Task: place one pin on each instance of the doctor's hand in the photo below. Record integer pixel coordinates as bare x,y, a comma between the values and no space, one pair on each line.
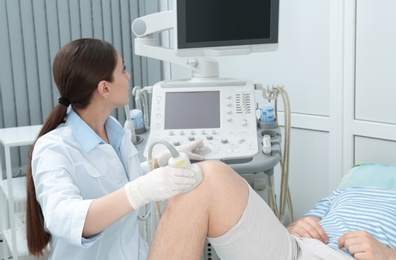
161,184
190,149
308,227
362,245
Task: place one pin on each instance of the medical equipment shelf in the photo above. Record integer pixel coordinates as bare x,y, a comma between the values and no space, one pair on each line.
18,187
14,189
20,234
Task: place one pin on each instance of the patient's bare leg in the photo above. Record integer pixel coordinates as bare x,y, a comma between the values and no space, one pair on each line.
211,209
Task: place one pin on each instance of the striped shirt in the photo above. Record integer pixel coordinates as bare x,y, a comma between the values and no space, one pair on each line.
358,208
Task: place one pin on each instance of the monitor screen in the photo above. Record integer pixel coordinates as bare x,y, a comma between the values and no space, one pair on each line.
226,25
192,110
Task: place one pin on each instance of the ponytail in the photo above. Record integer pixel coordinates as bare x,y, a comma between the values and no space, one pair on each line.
37,237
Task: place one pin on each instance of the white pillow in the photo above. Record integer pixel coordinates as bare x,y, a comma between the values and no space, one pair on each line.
381,176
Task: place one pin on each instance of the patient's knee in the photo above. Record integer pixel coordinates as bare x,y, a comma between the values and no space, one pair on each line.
221,189
219,179
217,172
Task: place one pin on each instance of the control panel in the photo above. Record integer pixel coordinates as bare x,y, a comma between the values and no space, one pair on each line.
221,112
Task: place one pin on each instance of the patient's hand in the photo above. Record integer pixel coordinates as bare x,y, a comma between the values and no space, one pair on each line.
308,227
364,246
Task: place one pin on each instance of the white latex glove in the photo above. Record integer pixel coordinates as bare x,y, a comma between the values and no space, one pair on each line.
161,184
189,149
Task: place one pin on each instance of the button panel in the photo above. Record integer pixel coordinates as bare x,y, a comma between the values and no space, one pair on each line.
236,138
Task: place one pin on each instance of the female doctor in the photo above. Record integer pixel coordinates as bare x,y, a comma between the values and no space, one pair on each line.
84,179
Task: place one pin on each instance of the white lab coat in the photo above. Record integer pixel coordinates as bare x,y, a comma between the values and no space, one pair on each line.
68,175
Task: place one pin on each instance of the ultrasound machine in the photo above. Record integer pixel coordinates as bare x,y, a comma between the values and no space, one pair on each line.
223,112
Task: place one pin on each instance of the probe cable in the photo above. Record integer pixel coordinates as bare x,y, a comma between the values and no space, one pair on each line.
174,154
285,197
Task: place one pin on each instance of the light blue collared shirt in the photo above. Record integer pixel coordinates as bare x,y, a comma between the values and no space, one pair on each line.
72,166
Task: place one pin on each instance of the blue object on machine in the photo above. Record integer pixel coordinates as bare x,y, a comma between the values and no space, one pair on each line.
267,113
137,118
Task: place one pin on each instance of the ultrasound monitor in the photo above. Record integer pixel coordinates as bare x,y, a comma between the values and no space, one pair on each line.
204,28
226,27
192,110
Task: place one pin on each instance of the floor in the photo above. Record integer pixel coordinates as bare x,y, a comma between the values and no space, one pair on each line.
1,249
10,257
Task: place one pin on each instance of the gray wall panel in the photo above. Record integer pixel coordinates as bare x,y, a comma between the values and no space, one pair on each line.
86,18
9,117
43,103
75,18
32,32
31,65
97,19
53,35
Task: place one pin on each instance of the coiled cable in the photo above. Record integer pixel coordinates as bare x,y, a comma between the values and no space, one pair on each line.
174,154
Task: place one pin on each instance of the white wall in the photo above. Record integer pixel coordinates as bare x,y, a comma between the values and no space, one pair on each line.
301,64
336,120
374,123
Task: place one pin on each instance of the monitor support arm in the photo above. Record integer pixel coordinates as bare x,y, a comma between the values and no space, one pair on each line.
145,45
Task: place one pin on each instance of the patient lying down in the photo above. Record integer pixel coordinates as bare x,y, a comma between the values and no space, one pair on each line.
360,221
354,222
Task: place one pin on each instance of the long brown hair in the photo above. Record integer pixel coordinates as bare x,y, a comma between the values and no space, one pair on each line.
78,68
